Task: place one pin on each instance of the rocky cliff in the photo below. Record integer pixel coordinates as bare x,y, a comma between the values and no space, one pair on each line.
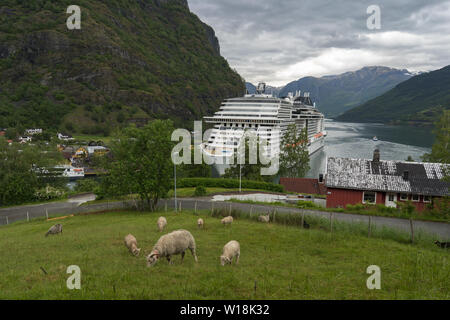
131,59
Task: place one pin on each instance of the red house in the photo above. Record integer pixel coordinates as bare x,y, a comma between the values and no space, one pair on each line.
352,181
304,185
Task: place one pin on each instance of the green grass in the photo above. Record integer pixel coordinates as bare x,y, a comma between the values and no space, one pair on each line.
285,261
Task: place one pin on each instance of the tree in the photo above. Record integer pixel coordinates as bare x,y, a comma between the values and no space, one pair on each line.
194,170
294,156
19,171
141,163
440,152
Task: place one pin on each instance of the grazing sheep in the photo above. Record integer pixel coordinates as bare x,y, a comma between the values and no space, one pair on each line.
230,250
176,242
57,228
442,244
265,218
227,220
131,244
200,223
162,222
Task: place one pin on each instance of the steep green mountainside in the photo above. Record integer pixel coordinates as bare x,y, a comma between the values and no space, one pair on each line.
132,59
339,93
418,100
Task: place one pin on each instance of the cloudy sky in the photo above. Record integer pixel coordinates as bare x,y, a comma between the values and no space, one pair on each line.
279,41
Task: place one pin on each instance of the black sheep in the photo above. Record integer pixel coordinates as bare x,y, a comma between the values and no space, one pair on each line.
442,244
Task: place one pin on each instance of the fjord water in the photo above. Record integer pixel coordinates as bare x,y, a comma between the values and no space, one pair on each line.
355,140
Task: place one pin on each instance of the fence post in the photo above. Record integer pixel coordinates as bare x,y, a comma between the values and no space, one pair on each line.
370,226
195,209
229,213
212,208
28,216
7,222
165,206
331,222
412,230
180,206
303,219
251,210
46,213
274,214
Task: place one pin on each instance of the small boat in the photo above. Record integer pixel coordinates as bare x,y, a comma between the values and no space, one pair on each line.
375,138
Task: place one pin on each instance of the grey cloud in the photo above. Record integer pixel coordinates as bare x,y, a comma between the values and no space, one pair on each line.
260,38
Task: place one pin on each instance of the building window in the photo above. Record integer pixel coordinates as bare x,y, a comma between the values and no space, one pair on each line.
426,199
391,198
369,197
404,197
415,197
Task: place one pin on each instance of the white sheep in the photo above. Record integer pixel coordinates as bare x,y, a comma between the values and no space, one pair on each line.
131,244
227,220
57,228
265,218
200,223
176,242
230,250
162,222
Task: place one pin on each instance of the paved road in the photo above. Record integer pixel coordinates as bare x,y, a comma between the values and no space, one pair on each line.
439,229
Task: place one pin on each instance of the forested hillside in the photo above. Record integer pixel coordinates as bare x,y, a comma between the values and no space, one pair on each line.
132,59
419,100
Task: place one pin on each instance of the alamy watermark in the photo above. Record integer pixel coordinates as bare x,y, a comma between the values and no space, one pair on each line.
74,20
74,281
260,150
374,20
374,281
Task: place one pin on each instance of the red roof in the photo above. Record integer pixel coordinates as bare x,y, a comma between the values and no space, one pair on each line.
303,185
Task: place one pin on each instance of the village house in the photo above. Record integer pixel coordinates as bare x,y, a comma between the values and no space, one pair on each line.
65,137
25,139
353,181
304,185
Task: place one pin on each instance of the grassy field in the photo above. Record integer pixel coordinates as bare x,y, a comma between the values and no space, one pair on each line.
284,261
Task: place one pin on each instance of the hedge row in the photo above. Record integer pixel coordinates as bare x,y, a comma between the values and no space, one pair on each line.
228,183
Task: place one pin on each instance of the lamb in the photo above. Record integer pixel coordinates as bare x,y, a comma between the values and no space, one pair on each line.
57,228
442,244
230,250
200,223
131,244
162,222
265,218
176,242
227,220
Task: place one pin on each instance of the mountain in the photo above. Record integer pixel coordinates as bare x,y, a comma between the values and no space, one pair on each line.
338,93
418,100
132,59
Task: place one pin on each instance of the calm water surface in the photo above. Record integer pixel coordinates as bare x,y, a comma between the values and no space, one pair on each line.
354,140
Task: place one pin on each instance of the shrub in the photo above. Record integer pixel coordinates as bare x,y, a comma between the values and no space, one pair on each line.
200,191
87,185
228,183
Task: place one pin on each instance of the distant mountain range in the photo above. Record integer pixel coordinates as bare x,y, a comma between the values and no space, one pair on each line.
419,100
338,93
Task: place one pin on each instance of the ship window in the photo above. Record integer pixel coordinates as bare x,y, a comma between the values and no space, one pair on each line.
369,197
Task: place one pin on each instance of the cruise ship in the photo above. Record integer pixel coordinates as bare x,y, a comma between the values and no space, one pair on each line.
268,116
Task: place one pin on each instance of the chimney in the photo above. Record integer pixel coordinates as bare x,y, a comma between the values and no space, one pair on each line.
321,178
405,175
376,155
